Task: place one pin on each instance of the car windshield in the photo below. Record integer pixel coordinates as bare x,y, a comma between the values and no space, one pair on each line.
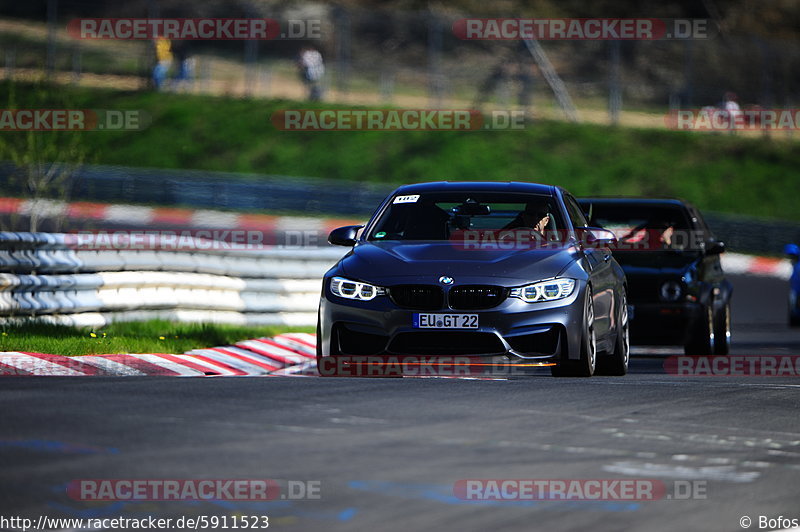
448,215
664,225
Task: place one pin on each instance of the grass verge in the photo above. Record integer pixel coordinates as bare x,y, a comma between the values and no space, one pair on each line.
724,173
139,337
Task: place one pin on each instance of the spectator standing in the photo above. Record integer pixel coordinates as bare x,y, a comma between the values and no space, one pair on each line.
163,61
732,110
312,69
185,73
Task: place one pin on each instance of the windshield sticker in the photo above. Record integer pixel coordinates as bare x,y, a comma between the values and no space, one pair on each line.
406,199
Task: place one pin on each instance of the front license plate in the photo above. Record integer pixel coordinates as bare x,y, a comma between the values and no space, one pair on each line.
445,321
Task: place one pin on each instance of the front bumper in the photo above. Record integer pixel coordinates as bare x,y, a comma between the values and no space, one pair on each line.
664,323
513,330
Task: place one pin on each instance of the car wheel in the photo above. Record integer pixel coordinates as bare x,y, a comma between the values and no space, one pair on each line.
701,338
794,311
616,363
586,364
722,331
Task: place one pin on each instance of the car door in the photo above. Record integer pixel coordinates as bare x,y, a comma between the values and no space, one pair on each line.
601,274
710,268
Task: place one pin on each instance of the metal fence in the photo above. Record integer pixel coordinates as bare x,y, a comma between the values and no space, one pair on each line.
385,55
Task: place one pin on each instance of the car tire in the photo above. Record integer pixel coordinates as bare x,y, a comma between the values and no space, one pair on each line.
793,314
701,337
616,363
585,366
722,331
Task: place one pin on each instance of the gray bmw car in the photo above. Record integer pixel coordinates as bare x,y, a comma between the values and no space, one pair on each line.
495,271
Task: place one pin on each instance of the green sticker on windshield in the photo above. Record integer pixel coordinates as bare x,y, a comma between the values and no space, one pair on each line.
380,234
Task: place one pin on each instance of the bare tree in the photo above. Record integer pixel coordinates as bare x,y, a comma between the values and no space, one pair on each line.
41,165
41,171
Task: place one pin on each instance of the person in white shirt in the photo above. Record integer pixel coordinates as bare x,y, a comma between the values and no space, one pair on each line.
312,68
732,111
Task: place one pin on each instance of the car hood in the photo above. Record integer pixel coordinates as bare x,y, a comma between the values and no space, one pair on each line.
386,262
656,262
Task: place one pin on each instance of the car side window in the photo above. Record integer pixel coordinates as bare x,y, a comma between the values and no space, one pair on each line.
699,223
575,212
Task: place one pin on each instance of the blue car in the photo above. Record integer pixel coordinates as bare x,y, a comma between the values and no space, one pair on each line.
794,285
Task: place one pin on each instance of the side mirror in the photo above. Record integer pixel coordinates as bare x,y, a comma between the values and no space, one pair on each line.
792,250
597,237
344,236
715,247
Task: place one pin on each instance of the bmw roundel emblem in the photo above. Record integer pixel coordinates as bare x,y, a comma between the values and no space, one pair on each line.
445,279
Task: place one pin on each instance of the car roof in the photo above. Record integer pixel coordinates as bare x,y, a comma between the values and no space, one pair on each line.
632,200
477,186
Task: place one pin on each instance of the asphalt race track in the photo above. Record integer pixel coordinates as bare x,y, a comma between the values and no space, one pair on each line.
387,452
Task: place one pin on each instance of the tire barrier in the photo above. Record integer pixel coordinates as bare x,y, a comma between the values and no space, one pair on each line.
49,277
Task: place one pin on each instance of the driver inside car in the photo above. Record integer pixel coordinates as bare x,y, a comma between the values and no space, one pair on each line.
533,217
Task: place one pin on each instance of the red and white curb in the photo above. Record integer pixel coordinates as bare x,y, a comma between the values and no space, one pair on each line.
285,354
155,216
736,263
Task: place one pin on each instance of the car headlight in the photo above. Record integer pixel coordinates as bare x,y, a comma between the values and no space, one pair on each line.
671,291
545,290
355,290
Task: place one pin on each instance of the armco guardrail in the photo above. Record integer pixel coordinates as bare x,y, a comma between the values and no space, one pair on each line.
758,236
201,189
218,190
57,277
